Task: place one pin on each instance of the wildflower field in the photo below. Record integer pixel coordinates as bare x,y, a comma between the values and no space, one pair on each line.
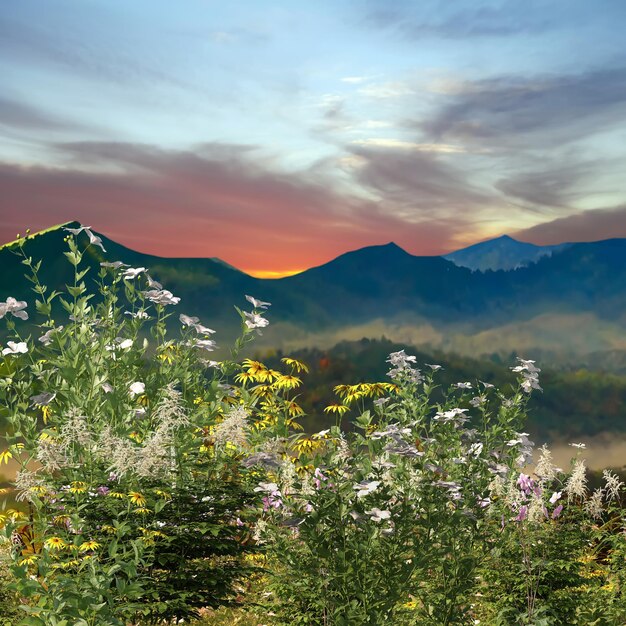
156,485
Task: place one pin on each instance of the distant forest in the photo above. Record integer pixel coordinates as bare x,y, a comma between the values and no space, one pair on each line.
573,404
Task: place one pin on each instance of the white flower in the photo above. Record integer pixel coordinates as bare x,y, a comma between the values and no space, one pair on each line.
258,304
255,321
153,284
365,487
15,348
136,388
463,385
377,515
107,387
14,307
46,338
555,496
43,399
132,272
114,265
141,314
434,368
93,239
266,487
125,344
162,297
194,322
580,446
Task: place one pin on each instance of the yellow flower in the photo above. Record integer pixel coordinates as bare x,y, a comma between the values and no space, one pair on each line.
340,409
55,543
87,546
287,381
298,366
137,498
253,367
78,486
163,494
294,409
244,377
306,445
28,560
116,494
46,411
135,436
141,511
5,456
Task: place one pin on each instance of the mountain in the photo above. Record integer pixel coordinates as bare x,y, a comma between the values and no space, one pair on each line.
566,308
502,253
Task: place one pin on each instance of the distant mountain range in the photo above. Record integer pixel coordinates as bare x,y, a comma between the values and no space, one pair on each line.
502,253
559,304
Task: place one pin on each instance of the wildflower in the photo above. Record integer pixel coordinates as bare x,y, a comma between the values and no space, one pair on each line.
103,490
43,399
266,487
87,546
153,284
204,344
162,297
555,496
593,505
14,307
613,485
557,511
15,348
137,498
366,487
465,385
545,470
529,373
580,446
233,428
376,515
93,239
55,543
576,484
107,387
523,512
194,322
478,401
5,456
114,265
137,388
258,304
46,338
434,368
263,459
132,272
337,408
141,314
255,321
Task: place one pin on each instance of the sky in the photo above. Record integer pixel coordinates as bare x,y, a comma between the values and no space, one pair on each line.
277,135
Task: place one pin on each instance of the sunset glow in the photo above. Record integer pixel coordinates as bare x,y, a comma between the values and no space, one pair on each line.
278,135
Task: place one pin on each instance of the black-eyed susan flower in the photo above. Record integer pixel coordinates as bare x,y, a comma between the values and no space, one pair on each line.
298,366
339,409
55,543
88,546
137,498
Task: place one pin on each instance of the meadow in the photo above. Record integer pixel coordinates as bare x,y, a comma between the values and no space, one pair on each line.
156,485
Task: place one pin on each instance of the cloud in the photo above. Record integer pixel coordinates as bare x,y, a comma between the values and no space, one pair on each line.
379,142
218,200
592,225
421,183
414,21
554,185
540,111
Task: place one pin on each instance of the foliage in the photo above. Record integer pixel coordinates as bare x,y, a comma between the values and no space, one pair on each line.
157,484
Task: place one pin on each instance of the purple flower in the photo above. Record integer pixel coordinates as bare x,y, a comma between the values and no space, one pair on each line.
523,512
557,511
102,490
